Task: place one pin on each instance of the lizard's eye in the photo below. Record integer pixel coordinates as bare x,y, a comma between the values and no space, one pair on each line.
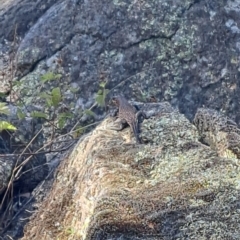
114,100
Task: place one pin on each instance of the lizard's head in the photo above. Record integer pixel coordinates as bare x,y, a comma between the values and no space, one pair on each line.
116,100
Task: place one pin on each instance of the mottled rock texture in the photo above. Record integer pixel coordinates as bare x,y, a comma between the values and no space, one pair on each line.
186,52
182,51
171,187
219,132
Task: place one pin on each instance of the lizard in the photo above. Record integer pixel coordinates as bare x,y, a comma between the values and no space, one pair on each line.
128,114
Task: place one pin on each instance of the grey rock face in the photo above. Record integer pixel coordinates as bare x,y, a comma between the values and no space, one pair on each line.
185,52
20,16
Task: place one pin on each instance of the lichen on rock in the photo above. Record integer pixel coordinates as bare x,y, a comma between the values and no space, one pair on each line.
172,186
218,131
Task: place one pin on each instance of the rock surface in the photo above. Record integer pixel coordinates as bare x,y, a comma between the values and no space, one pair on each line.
218,131
171,187
185,52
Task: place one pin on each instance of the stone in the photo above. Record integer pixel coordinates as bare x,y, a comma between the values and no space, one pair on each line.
173,186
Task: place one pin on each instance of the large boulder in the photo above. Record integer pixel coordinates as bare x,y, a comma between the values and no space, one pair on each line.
170,187
185,52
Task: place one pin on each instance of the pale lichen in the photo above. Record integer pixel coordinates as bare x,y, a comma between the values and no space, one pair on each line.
112,184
